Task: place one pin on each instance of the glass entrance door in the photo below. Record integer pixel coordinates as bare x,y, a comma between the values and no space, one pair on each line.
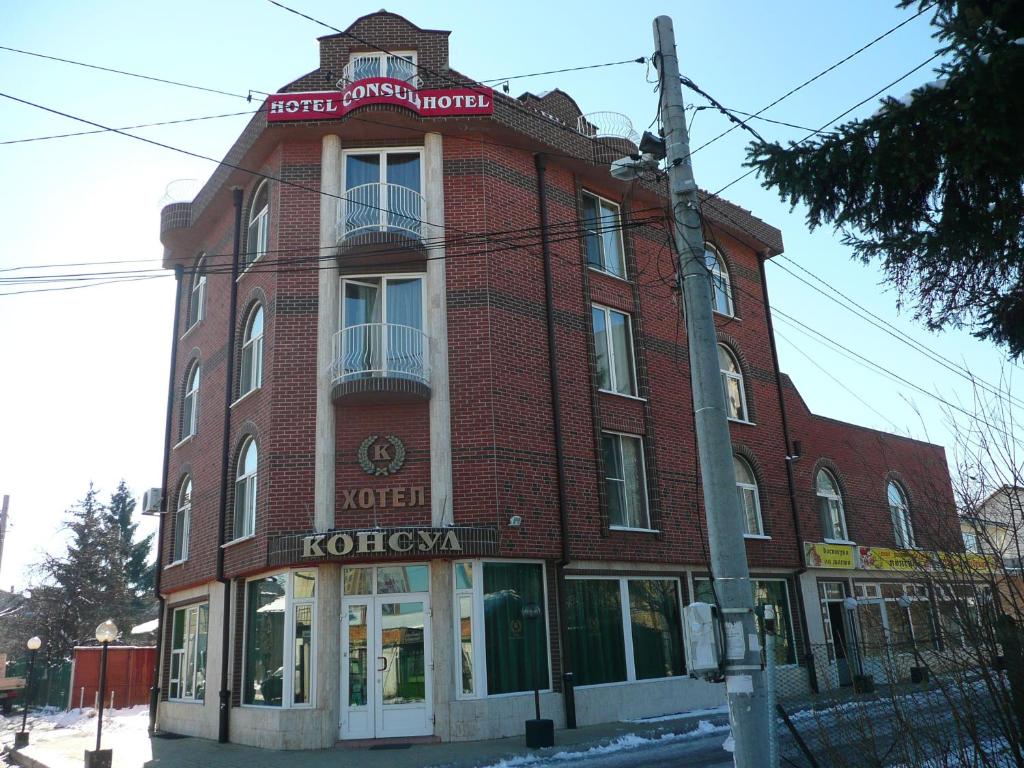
386,685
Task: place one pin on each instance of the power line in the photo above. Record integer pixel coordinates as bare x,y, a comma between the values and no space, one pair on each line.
127,127
638,60
764,119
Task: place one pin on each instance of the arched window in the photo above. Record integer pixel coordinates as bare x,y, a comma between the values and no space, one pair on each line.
830,505
182,520
900,511
259,226
245,490
721,285
252,352
197,297
732,382
190,403
750,501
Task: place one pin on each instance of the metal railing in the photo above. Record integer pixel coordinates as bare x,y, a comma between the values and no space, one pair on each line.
396,67
380,207
380,350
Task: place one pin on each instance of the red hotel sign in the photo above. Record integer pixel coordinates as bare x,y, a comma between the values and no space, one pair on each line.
331,105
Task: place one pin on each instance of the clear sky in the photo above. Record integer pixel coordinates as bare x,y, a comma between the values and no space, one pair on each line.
84,372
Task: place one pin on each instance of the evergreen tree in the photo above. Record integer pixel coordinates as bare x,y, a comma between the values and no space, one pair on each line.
133,555
932,185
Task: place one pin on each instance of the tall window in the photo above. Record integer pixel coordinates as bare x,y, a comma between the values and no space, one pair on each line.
383,192
197,296
603,238
830,506
400,65
624,481
252,352
246,485
750,501
732,381
503,646
772,592
721,285
613,345
381,328
900,511
182,521
190,403
256,242
188,653
623,629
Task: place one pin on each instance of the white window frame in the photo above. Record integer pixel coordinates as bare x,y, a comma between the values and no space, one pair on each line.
788,618
197,294
599,228
288,644
382,153
477,632
970,541
251,486
745,487
737,375
190,402
185,610
900,513
831,535
384,278
252,346
261,220
719,271
610,350
627,625
382,59
643,478
182,521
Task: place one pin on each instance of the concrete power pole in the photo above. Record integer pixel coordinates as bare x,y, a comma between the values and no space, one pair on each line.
3,526
744,677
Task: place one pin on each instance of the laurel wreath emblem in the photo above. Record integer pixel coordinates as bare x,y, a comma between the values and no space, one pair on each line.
372,469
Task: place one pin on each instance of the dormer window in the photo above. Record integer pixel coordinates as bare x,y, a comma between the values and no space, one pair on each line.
400,65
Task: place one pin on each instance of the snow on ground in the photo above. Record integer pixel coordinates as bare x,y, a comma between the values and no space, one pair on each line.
624,742
722,710
51,723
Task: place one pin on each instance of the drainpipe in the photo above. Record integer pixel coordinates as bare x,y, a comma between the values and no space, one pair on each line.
225,449
790,478
568,694
154,689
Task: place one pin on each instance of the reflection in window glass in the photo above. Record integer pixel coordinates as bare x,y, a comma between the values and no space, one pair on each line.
358,581
466,641
593,610
302,684
657,638
264,640
357,655
516,647
394,579
402,653
463,575
305,584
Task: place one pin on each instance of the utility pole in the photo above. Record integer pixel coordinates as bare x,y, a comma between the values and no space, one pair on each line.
744,677
3,526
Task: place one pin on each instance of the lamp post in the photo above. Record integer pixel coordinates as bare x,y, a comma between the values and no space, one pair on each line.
539,733
106,633
21,739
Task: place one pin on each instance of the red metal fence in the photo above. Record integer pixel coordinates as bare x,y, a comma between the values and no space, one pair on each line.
129,675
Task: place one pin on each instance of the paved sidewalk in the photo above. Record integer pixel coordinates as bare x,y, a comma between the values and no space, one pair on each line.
135,750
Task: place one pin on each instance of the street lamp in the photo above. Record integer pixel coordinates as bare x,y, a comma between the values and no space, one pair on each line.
21,739
106,633
539,733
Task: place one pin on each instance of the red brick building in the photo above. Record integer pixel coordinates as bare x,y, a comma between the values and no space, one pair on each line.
379,459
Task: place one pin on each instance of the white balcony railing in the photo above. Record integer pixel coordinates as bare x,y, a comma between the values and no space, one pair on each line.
380,350
380,207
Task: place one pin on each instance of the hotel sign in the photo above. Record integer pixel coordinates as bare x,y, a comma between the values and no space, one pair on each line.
333,105
383,543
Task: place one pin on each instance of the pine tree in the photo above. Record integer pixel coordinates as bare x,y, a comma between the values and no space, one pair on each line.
133,556
932,185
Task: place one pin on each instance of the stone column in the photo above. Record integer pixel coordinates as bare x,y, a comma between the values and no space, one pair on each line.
328,652
441,506
327,325
443,645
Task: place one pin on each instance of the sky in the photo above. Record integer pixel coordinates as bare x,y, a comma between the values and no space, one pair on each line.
84,380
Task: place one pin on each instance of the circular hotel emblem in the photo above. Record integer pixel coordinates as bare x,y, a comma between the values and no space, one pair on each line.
381,456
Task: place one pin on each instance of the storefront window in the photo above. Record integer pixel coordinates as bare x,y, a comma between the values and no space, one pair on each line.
516,647
188,653
654,615
594,625
358,581
279,636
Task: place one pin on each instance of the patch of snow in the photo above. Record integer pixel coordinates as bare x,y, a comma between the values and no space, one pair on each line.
724,709
729,744
1018,41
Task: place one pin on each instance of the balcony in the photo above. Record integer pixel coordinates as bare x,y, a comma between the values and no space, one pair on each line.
380,362
378,213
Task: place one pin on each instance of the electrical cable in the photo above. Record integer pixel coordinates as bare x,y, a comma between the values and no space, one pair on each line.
638,60
127,127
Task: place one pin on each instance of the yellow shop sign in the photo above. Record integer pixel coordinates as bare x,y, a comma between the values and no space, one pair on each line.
821,555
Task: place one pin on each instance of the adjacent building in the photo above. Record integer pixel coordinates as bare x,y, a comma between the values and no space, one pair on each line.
432,436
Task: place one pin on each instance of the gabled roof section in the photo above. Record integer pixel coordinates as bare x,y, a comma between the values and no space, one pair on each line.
377,16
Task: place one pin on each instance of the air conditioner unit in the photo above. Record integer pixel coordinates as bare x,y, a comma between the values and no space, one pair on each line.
151,500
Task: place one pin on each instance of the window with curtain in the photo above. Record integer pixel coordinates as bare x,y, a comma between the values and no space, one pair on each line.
258,233
189,631
613,348
383,327
656,628
602,235
400,65
721,285
830,505
246,485
732,382
516,647
251,375
182,520
593,621
197,296
190,403
772,592
900,512
625,481
750,500
383,192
